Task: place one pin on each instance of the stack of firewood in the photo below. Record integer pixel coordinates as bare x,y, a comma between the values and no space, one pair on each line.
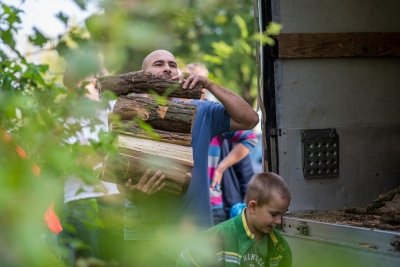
153,132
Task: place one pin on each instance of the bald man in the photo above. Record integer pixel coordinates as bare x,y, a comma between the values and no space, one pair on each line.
146,218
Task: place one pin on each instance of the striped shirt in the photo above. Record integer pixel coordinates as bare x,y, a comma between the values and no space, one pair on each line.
246,138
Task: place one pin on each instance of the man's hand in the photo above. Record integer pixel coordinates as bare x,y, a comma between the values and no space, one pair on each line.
148,184
190,80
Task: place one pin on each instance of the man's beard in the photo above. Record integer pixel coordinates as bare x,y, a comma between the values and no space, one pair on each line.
166,75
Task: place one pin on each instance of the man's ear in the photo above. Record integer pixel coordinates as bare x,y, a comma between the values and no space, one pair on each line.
251,206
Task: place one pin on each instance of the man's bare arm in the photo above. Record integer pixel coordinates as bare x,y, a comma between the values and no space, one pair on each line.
243,117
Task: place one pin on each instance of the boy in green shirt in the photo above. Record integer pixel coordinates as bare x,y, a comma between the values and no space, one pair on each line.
250,239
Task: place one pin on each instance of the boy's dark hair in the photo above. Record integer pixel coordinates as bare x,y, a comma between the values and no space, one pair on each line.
263,186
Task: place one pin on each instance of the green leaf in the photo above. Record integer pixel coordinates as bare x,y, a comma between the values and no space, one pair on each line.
244,33
212,59
273,28
222,49
62,48
161,100
12,15
221,19
7,38
38,38
63,17
147,128
81,3
242,47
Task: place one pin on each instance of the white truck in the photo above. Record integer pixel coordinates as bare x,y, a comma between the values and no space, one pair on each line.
330,99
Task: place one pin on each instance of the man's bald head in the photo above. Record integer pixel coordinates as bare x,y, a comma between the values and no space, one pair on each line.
155,55
160,62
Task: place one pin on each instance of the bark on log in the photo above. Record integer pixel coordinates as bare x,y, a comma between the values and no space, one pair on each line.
172,117
131,129
144,82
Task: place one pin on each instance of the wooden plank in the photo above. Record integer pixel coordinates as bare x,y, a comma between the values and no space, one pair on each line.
329,45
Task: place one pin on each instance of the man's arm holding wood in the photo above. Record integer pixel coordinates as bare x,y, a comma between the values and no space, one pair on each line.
243,117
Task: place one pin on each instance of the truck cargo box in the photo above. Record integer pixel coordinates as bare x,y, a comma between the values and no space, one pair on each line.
330,99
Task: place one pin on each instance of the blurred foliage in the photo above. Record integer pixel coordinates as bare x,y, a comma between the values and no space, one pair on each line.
36,110
35,157
219,34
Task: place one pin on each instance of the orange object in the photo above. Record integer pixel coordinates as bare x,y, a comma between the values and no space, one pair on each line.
21,152
6,137
36,170
52,220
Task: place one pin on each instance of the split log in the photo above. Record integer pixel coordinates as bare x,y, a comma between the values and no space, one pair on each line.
136,156
123,167
142,82
172,117
136,146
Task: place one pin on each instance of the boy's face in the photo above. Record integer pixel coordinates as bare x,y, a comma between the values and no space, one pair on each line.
262,218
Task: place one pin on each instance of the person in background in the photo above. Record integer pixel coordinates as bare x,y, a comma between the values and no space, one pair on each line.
249,239
229,170
200,69
229,164
257,155
91,221
149,214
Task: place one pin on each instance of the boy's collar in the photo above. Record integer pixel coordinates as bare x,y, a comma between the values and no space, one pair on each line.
246,234
246,226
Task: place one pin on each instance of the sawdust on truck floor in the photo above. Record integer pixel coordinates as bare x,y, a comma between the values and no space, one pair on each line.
341,217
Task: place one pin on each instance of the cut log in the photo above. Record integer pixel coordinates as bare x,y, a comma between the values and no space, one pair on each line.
143,82
137,155
123,167
130,129
135,147
172,117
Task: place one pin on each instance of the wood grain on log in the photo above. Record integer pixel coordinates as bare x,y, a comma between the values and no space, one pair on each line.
172,117
123,167
137,146
136,155
143,82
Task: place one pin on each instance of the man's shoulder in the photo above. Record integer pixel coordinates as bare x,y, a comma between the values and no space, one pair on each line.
208,107
205,103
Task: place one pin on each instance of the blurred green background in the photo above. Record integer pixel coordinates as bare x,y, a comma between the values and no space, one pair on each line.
35,106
